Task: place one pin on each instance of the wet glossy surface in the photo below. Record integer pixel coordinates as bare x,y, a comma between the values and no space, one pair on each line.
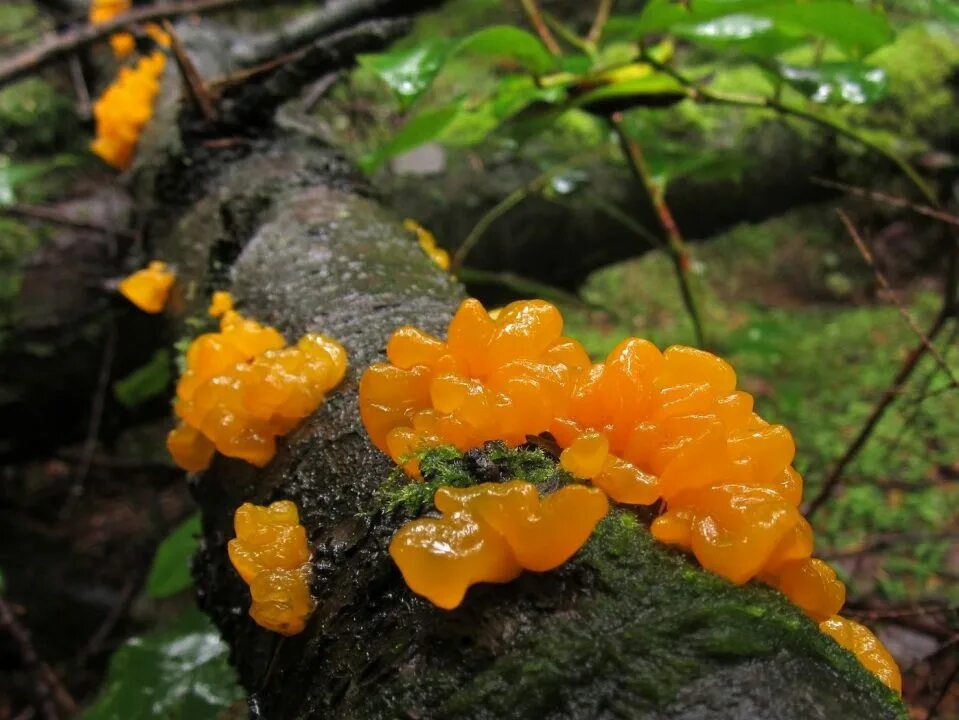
243,387
271,554
148,289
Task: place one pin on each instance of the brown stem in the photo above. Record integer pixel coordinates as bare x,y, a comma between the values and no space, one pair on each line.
887,289
905,372
892,200
535,18
677,246
196,88
603,11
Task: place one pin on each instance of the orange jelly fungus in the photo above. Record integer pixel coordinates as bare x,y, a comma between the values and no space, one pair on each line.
149,288
867,648
490,533
123,43
124,108
243,386
428,243
642,426
270,552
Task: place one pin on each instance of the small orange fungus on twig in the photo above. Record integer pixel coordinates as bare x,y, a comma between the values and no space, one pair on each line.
149,288
428,243
270,552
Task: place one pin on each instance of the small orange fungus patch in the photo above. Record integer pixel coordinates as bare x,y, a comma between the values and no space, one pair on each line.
643,426
243,386
428,243
124,108
123,43
149,288
270,552
867,648
490,533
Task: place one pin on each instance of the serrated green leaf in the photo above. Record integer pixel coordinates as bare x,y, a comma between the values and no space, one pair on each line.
146,382
510,42
838,83
427,125
176,672
170,572
409,72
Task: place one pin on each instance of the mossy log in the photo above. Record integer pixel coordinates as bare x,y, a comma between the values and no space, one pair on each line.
627,629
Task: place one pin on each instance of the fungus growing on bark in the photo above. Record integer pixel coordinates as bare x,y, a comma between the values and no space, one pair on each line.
428,243
124,108
490,533
123,43
867,648
643,426
243,386
149,288
270,552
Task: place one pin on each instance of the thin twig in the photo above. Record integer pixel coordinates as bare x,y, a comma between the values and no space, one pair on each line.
902,376
47,686
57,46
55,217
887,289
83,104
96,417
496,212
674,239
523,285
196,87
896,613
899,202
535,18
603,11
933,711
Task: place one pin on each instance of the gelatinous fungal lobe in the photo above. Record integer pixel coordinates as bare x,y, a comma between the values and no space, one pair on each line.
867,648
271,553
123,43
149,288
125,107
243,387
490,533
643,425
428,244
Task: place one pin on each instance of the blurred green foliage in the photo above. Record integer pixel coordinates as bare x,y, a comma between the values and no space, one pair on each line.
170,572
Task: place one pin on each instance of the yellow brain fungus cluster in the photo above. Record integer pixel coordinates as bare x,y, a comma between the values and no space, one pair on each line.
243,386
428,244
149,288
490,533
270,552
125,107
645,425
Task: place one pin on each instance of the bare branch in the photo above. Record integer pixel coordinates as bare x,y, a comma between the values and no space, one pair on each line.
889,200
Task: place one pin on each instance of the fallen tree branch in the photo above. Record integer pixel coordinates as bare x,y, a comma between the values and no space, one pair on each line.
892,200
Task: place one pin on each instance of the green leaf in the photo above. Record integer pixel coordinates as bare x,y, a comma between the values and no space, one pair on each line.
654,90
856,29
743,33
838,83
410,72
170,572
145,382
510,42
176,672
426,126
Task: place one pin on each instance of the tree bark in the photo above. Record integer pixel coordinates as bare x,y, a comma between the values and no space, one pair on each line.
626,629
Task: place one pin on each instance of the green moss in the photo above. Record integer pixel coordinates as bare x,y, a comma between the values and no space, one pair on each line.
36,117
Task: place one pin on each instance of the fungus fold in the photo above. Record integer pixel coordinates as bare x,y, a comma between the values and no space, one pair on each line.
642,426
149,288
271,554
243,386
